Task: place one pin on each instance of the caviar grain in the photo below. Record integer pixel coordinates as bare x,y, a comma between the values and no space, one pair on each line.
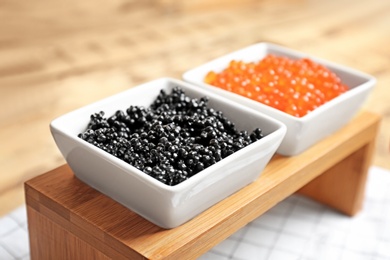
172,140
296,87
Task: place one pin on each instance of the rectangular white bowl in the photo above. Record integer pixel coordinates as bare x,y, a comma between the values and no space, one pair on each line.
166,206
301,132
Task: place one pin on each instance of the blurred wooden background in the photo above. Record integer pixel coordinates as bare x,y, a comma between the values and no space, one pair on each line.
56,56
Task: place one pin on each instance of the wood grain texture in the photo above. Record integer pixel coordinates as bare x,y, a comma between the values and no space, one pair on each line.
57,56
343,185
118,232
57,240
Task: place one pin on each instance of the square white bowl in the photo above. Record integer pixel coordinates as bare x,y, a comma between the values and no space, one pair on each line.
166,206
301,132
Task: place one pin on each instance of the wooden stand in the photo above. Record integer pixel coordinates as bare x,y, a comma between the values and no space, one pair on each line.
70,220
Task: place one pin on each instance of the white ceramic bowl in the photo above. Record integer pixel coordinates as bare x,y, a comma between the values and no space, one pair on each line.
164,205
305,131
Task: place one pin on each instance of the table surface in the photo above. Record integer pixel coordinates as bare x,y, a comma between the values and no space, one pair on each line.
56,57
60,196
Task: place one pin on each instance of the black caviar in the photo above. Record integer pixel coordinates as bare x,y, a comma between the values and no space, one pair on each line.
172,140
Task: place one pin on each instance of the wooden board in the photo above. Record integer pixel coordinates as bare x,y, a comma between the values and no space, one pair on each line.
65,212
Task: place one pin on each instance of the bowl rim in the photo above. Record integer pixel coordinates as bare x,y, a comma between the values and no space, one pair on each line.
271,47
55,126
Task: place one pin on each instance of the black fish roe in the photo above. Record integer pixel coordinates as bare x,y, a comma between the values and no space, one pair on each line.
172,140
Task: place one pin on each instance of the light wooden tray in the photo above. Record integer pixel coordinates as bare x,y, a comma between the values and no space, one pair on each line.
70,220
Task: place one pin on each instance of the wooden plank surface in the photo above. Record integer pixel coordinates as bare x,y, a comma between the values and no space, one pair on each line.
58,56
116,231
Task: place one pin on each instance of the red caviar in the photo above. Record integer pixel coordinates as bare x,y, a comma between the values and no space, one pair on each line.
292,86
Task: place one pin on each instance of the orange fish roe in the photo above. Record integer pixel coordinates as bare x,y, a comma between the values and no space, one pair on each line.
293,86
